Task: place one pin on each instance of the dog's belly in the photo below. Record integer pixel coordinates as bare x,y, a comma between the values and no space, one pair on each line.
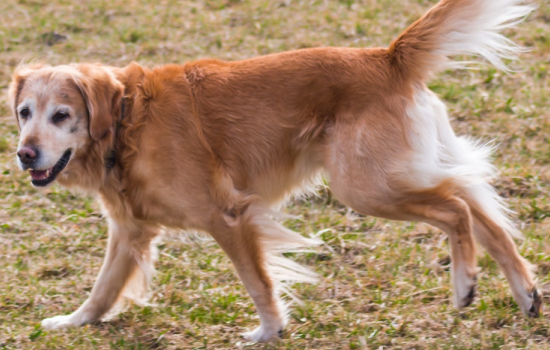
303,175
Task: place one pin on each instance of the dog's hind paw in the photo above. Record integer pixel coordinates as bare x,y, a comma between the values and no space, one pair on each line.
262,335
59,322
464,289
536,308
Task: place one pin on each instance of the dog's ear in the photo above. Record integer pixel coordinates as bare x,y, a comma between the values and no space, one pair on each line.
103,95
18,79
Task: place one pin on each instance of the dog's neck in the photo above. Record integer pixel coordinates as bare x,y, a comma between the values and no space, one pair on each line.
110,158
130,77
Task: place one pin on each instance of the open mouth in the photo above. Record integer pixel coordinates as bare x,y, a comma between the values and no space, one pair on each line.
43,177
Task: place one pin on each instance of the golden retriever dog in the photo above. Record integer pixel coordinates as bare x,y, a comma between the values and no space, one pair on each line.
214,146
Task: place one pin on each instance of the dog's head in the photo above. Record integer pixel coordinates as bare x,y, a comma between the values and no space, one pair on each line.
61,112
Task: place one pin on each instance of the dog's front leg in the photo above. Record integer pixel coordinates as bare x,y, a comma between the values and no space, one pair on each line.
240,238
128,259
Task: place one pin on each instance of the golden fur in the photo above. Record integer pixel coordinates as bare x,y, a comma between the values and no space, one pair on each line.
212,146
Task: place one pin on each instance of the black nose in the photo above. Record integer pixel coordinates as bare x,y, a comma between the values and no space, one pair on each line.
27,155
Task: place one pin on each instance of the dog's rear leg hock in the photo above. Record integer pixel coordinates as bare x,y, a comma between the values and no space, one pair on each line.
453,216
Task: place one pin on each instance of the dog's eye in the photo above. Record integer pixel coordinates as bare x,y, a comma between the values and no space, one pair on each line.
24,113
59,117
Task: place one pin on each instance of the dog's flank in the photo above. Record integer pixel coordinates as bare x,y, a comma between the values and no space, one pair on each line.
214,146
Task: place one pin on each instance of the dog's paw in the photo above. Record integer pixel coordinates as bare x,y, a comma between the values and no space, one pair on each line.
536,307
464,296
262,334
59,322
530,302
464,289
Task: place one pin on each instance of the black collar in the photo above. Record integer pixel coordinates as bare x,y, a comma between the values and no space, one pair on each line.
110,160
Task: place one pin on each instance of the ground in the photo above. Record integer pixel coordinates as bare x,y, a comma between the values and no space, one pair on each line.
383,284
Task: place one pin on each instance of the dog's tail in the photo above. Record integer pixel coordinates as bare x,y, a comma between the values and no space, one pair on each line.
458,27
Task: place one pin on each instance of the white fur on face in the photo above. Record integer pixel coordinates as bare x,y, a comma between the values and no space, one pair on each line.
44,96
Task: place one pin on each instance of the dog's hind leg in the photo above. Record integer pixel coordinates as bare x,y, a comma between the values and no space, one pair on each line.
361,159
468,164
440,208
452,215
255,244
386,166
493,230
126,271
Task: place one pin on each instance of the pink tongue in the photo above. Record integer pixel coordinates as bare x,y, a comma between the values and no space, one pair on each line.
39,174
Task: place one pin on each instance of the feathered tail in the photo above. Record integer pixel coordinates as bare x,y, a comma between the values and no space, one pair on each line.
458,27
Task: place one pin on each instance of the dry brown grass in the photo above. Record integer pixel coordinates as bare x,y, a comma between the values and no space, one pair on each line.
384,284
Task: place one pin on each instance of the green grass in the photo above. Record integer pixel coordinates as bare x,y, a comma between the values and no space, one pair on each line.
384,284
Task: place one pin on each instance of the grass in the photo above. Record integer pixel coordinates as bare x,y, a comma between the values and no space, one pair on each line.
384,284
